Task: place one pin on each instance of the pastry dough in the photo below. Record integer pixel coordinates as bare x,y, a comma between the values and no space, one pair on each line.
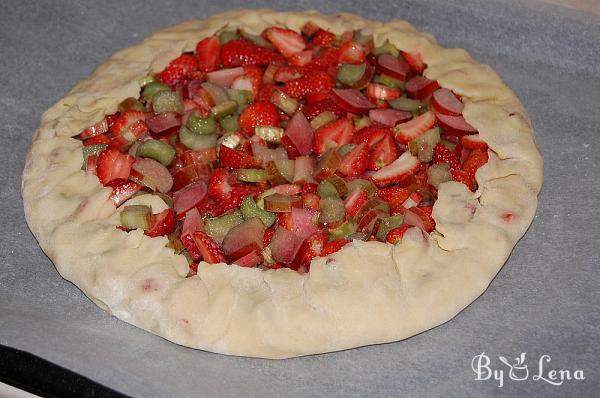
367,293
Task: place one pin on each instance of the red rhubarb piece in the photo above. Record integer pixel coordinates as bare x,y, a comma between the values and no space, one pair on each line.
420,87
391,66
352,100
444,101
455,125
389,117
300,133
189,197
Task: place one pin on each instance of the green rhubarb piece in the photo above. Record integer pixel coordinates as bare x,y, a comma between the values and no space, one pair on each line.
270,134
406,104
365,185
387,224
242,97
201,125
250,209
331,210
224,109
167,101
339,184
251,175
345,149
230,124
157,150
326,189
285,167
136,216
386,48
227,36
347,228
361,38
92,150
360,122
218,227
284,102
438,173
448,144
422,146
144,81
130,104
388,81
322,119
349,74
196,141
152,89
256,39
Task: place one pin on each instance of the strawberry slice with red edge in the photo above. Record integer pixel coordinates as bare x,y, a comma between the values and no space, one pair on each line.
352,53
313,82
261,113
415,61
354,163
441,154
112,164
207,54
395,196
383,153
162,223
395,235
123,190
311,247
476,159
396,171
234,159
419,217
243,52
408,131
333,135
287,41
209,250
334,246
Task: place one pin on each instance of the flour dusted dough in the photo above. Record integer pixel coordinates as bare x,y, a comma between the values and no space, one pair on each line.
367,293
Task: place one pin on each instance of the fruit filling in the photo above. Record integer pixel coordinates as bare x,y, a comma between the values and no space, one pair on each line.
272,150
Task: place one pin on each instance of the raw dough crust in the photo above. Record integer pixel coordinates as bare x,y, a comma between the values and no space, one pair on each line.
367,293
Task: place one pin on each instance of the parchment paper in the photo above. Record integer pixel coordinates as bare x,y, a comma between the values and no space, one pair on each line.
544,301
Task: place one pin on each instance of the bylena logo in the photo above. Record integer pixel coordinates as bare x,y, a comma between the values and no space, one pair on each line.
518,370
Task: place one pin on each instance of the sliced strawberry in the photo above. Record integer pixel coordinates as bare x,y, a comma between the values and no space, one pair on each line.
286,41
99,128
122,190
221,77
323,38
130,125
177,70
189,197
395,196
420,87
397,170
243,236
444,101
234,199
370,134
354,202
415,61
473,141
476,159
290,147
207,54
311,201
441,154
464,178
313,82
268,235
301,58
383,153
354,163
300,133
112,164
284,220
190,246
163,223
97,139
255,75
260,113
250,260
391,66
352,100
287,73
184,176
208,248
419,218
351,53
234,159
311,248
326,59
243,52
334,246
455,125
408,131
395,235
327,105
389,117
333,135
285,245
